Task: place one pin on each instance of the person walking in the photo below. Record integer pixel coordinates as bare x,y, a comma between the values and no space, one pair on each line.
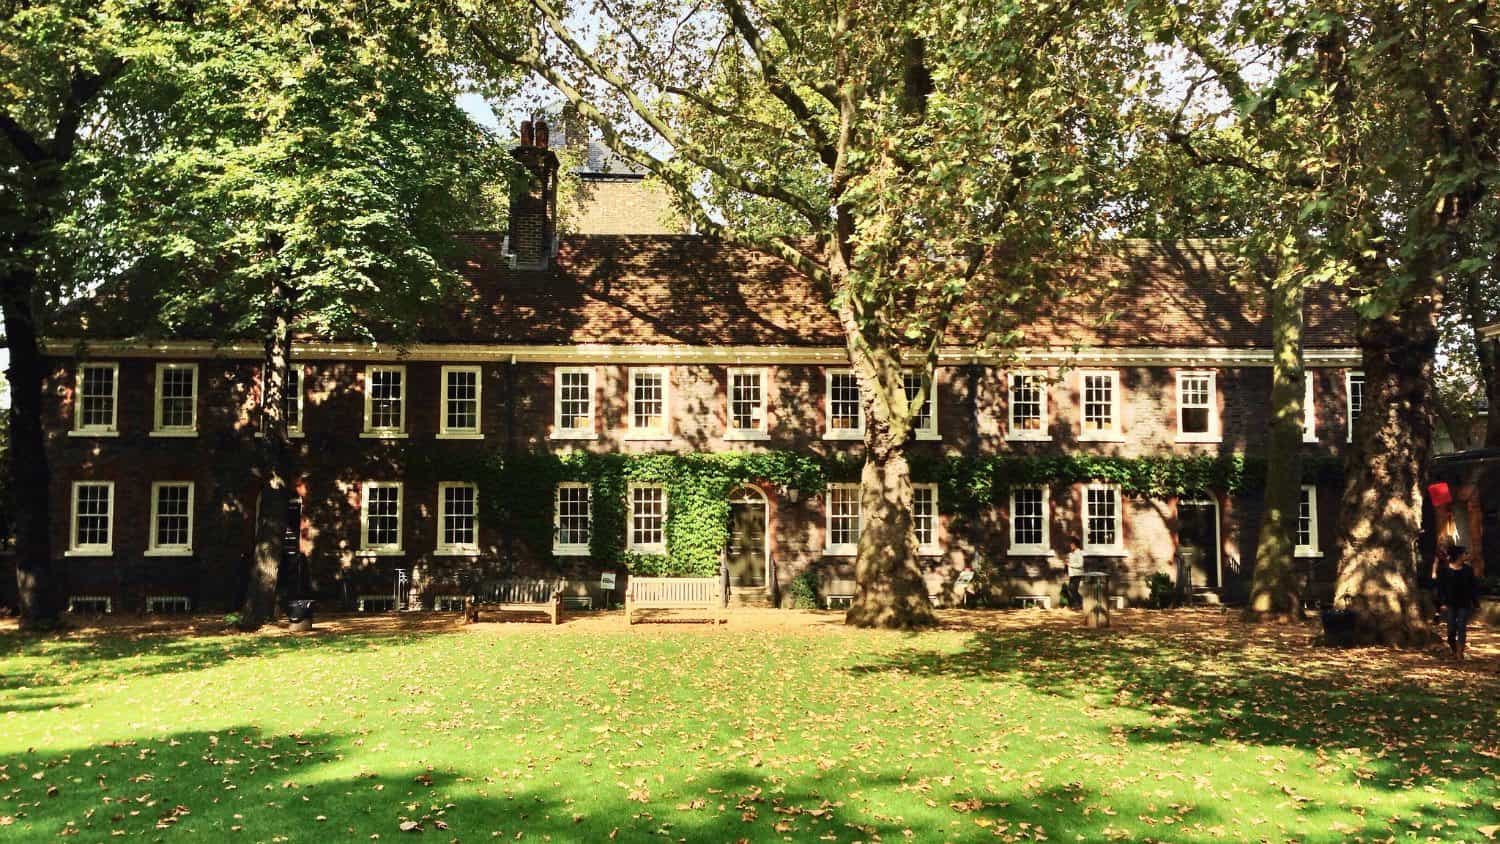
1458,597
1075,572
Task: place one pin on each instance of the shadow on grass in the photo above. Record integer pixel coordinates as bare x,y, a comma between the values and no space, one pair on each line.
35,663
1201,692
241,782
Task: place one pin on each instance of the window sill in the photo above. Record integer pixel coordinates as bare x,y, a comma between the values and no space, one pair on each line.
647,549
1307,553
88,433
89,552
168,552
930,551
1312,440
647,436
1199,438
291,435
1101,438
383,435
570,550
1105,552
173,434
840,550
1028,438
845,436
458,551
572,435
746,436
1029,551
379,552
460,435
929,436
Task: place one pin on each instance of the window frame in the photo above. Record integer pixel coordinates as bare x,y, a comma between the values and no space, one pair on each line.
1309,408
1014,434
571,549
630,516
74,548
157,428
830,432
154,546
846,549
445,432
662,432
291,367
113,428
925,549
1313,549
558,431
928,432
1118,548
762,431
365,547
1215,432
382,433
442,547
1115,432
1016,548
1349,420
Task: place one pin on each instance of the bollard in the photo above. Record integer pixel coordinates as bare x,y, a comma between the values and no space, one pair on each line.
1095,589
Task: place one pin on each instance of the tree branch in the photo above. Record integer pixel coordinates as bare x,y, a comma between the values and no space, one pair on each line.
771,73
731,176
30,151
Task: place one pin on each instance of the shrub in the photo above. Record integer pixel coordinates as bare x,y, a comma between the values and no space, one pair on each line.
803,591
1163,590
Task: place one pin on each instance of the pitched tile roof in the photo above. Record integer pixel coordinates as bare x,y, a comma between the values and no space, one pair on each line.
691,290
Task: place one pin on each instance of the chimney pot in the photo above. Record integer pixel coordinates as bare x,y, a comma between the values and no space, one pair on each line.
527,139
543,134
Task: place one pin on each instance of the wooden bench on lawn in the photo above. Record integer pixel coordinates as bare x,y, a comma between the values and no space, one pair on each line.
518,594
653,593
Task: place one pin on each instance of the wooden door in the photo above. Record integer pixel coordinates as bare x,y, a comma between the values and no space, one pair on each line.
747,543
1198,534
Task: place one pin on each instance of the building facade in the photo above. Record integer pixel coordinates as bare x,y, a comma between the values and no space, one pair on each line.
676,345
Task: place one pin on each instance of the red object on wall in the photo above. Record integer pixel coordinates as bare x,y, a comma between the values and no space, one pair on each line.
1440,494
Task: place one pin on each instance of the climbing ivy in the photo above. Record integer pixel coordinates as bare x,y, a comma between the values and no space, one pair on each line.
516,491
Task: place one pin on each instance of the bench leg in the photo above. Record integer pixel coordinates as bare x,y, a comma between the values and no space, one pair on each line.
628,608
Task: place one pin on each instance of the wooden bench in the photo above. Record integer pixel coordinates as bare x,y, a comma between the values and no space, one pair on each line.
517,595
652,593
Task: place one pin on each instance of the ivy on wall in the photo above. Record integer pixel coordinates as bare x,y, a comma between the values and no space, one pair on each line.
516,491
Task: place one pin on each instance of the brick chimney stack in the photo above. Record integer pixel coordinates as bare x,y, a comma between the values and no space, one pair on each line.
533,198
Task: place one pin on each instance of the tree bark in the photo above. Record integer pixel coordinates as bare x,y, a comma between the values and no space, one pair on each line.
1380,513
36,584
891,592
270,522
1274,591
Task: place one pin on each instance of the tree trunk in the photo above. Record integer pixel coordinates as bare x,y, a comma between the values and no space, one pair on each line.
1380,514
270,522
31,489
1489,368
891,592
1274,591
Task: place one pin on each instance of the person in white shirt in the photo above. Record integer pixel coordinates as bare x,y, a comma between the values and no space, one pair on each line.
1075,572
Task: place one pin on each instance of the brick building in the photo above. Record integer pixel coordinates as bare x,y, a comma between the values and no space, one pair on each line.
650,343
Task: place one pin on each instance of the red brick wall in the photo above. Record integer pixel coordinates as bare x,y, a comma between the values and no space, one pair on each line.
517,402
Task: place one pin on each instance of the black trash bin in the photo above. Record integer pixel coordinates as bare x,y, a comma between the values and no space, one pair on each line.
299,615
1338,628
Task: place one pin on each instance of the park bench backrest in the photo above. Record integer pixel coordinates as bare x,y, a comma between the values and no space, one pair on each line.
674,590
519,591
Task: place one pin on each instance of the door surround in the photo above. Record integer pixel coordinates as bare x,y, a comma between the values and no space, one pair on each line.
1200,498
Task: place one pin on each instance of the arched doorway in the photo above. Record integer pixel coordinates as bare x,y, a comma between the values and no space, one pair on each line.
1198,539
748,554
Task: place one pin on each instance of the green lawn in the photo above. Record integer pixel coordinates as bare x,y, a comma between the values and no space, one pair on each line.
1183,731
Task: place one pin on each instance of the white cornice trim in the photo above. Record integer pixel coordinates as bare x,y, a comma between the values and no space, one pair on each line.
1490,332
1147,356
